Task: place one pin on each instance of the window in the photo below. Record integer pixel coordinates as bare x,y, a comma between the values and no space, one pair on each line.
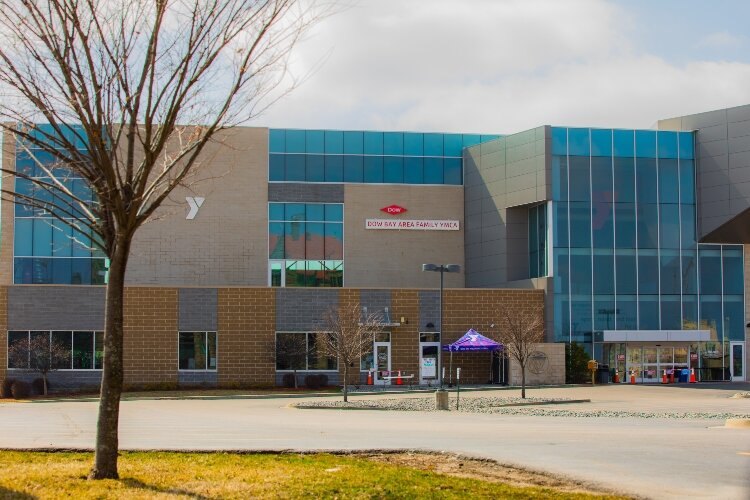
85,348
298,351
197,350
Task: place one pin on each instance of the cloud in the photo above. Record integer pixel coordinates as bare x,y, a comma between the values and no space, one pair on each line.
722,40
493,66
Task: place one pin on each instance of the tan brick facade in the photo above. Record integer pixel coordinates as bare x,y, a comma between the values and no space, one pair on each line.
405,338
7,210
3,331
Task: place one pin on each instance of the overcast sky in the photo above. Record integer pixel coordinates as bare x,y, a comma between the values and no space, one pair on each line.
503,66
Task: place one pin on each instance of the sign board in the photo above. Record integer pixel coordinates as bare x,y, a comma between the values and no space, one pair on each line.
620,357
429,367
413,224
393,209
693,356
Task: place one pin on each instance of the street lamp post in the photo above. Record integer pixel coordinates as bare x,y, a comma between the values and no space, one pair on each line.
442,268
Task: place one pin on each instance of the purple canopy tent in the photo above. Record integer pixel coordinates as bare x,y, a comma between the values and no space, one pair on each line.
471,341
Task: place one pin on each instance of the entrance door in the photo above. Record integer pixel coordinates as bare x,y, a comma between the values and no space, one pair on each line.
429,363
382,362
737,361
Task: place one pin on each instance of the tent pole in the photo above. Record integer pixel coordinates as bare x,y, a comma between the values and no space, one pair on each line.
450,371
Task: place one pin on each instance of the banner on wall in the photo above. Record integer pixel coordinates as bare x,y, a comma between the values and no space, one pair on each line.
413,224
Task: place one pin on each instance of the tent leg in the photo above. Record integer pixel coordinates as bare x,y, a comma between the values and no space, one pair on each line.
450,371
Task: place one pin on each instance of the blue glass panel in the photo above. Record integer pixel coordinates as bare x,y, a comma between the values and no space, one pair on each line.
61,271
646,180
668,182
604,312
294,240
315,168
601,179
353,143
601,142
733,270
562,267
580,187
334,245
669,226
81,243
734,315
648,272
471,140
687,148
315,141
393,143
413,170
625,225
42,239
413,144
561,224
580,272
27,188
604,274
433,144
670,272
689,312
533,239
711,318
687,213
433,170
562,318
295,141
560,178
648,225
687,181
559,141
393,169
314,240
295,168
452,145
276,167
645,143
710,269
624,142
22,270
689,272
580,318
627,312
334,212
276,140
667,144
580,224
276,240
671,312
61,239
649,312
353,168
626,273
453,171
602,225
334,142
81,190
373,169
315,212
80,271
578,142
23,237
294,211
334,166
373,143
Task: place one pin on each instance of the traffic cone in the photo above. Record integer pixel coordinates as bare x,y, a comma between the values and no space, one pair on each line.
664,377
692,375
632,377
617,377
369,377
398,379
671,377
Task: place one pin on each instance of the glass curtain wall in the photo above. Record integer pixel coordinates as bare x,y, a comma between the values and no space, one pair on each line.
537,241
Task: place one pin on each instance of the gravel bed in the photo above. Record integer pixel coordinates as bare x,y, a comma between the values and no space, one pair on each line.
741,395
493,405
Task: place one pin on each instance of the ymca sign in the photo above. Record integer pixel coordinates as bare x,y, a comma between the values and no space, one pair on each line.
413,224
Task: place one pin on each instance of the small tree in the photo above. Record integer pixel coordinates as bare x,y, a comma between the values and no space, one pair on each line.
39,355
293,349
347,334
520,331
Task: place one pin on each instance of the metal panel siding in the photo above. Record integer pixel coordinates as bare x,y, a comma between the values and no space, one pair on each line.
301,310
56,308
429,309
306,192
198,309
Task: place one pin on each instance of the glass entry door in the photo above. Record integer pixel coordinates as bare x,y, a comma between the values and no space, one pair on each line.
382,362
737,361
429,363
648,362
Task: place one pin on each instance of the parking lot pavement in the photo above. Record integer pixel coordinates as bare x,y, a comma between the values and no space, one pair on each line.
652,457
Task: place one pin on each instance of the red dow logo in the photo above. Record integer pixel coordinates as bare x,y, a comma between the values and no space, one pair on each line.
393,209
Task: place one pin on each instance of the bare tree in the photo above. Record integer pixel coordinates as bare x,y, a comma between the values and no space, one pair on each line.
39,355
520,330
347,334
289,351
117,80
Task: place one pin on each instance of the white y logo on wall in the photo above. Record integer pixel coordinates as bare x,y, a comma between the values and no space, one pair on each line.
195,203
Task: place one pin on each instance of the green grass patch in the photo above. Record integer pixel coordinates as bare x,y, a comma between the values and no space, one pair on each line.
225,475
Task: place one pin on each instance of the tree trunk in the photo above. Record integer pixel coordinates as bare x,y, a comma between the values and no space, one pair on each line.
346,393
44,379
294,372
105,461
523,381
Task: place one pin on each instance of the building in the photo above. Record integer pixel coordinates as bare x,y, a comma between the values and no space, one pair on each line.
632,239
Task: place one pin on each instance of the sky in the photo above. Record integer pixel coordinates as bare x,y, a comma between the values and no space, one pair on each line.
504,66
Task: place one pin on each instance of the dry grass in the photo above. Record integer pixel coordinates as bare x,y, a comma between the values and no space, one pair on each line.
222,475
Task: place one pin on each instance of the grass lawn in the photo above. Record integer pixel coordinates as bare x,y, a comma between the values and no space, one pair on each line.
28,475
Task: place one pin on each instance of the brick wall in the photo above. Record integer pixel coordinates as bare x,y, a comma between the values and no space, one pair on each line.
405,338
150,346
3,331
7,209
246,336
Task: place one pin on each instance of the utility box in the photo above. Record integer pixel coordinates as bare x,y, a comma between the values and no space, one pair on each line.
441,399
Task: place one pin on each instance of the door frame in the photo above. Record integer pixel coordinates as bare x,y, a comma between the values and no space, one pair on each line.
376,376
423,381
737,378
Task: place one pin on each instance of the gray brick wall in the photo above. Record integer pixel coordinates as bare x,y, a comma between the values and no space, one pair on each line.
301,310
376,301
429,309
64,380
198,378
198,309
310,193
56,308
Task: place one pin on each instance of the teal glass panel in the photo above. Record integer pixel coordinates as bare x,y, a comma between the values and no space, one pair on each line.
61,271
433,170
80,271
276,167
373,169
580,318
580,271
579,187
42,239
295,141
295,168
471,140
393,169
276,273
645,143
295,273
23,238
353,166
393,143
334,168
580,224
648,225
276,240
294,211
601,179
561,318
689,312
578,142
27,188
453,171
671,312
645,171
353,143
373,143
61,239
687,146
334,212
689,272
668,181
710,312
452,145
315,212
604,273
669,226
413,144
315,142
670,272
602,225
667,144
276,140
275,211
315,274
433,144
334,142
623,142
687,181
648,270
562,268
649,312
294,240
315,168
560,178
625,225
626,273
734,314
560,226
604,312
733,270
627,312
314,240
687,214
81,243
710,269
533,239
490,137
559,141
334,241
413,173
601,142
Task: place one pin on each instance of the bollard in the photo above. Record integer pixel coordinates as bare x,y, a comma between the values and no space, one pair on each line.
441,399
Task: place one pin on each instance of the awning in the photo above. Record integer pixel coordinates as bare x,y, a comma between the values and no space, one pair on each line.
473,341
656,336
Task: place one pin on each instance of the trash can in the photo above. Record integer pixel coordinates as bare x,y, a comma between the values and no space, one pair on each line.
603,374
684,375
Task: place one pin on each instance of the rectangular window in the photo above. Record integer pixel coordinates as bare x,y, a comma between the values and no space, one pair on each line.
197,350
80,350
299,351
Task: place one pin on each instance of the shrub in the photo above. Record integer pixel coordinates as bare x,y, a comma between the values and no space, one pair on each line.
288,379
323,380
312,381
577,360
20,389
5,388
38,386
